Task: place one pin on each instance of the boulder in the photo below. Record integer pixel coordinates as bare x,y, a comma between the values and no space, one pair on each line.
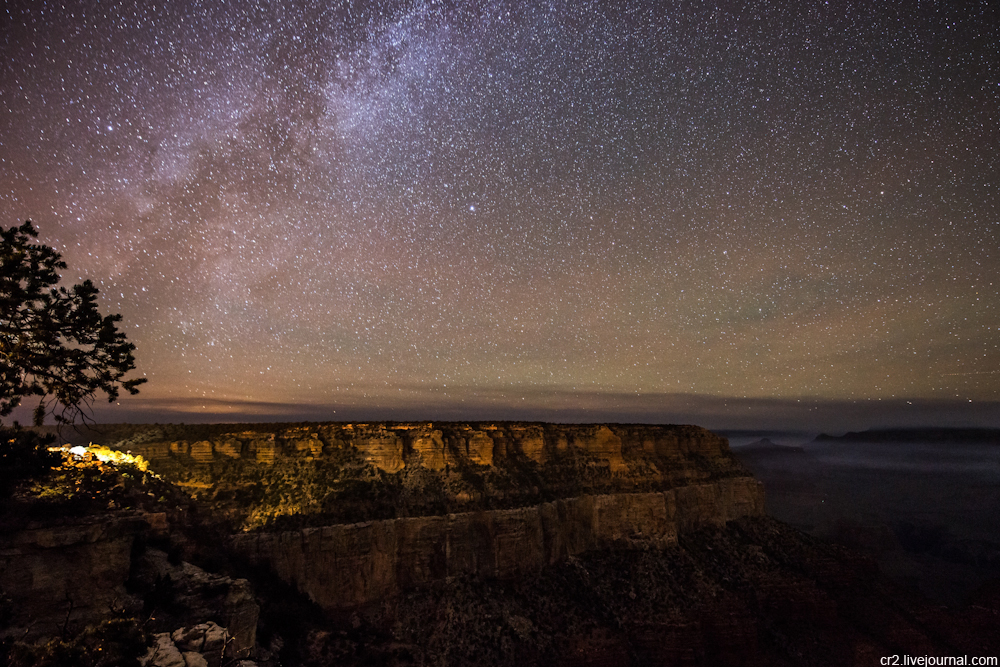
202,594
192,659
163,653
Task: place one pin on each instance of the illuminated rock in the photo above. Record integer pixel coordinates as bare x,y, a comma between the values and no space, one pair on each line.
201,451
381,447
430,445
228,448
265,450
531,442
602,443
480,447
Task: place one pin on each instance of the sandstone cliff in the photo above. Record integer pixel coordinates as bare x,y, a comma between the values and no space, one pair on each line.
453,544
68,574
353,513
346,565
389,445
278,476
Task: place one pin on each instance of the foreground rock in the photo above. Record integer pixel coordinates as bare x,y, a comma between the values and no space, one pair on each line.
61,574
202,645
183,591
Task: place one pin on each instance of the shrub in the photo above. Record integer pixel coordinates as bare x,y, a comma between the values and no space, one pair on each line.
23,455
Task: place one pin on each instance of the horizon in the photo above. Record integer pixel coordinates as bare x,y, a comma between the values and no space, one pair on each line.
713,413
733,216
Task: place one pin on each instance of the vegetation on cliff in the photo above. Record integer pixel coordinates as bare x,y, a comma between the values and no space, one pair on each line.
117,642
288,476
82,482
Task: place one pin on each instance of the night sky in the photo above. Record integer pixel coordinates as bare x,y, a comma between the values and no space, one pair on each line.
724,212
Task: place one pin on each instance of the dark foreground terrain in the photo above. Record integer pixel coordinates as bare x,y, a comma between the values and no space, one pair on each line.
756,592
444,544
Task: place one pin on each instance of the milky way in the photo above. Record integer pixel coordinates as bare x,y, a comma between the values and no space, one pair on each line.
476,208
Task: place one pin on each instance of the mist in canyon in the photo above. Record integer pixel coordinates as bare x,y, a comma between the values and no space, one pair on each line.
914,499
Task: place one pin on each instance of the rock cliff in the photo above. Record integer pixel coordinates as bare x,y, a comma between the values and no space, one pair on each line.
451,544
68,574
273,476
353,513
392,446
346,565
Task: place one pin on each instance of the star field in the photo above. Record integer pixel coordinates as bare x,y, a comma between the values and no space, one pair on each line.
448,206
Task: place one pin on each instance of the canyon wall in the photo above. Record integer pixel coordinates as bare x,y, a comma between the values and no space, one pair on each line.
60,576
347,565
72,574
439,446
352,513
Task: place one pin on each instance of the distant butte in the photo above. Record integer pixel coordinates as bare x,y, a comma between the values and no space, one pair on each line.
984,436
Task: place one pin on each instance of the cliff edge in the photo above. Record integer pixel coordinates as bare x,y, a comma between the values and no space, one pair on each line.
447,543
273,477
353,513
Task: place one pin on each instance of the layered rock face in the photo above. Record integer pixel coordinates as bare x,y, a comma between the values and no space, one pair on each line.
391,447
347,565
392,506
67,574
64,576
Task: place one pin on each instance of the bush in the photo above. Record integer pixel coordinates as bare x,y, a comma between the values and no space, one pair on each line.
24,455
119,642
